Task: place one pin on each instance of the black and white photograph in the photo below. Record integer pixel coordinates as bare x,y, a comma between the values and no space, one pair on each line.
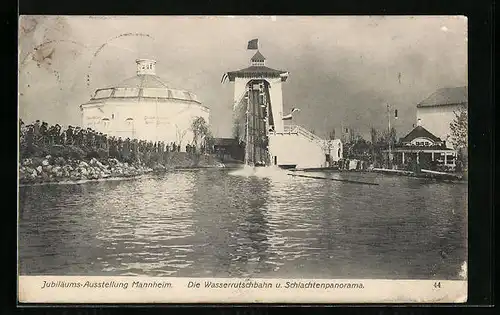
242,158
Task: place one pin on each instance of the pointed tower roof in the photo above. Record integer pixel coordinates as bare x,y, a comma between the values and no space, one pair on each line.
257,69
258,57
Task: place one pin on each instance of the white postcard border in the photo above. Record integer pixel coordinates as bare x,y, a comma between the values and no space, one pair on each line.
132,289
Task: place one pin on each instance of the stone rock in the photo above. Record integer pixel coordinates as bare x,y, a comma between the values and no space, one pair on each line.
39,169
60,161
27,162
44,176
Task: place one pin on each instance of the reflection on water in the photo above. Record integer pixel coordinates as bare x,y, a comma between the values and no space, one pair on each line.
211,223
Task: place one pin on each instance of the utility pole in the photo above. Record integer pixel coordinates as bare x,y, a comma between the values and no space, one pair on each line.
247,127
389,134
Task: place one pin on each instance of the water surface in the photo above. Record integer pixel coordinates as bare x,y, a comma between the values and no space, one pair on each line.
209,223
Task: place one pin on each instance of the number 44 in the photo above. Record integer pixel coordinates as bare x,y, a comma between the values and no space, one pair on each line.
437,285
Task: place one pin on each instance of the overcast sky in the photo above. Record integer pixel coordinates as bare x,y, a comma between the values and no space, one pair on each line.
343,70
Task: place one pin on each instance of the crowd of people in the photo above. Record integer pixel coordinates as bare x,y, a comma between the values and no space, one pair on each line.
40,134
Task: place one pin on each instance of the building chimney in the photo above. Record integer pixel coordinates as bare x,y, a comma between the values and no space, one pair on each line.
146,66
419,122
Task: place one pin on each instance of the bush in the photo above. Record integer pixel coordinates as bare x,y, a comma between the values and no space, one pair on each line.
75,152
98,154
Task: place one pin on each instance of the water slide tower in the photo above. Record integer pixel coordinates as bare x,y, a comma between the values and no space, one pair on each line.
259,121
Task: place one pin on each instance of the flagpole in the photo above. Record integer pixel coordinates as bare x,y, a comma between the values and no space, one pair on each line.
389,123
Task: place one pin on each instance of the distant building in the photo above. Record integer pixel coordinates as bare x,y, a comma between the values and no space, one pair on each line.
437,111
143,107
424,148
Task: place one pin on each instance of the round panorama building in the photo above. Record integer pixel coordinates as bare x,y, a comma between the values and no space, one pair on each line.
143,107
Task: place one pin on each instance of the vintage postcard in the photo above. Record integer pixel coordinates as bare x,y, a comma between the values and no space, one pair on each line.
242,159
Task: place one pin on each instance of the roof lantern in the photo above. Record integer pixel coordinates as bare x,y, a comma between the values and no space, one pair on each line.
146,66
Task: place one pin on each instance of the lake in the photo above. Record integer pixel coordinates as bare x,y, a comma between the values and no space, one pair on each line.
223,223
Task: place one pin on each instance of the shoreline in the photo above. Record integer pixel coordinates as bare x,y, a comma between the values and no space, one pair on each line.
82,181
452,178
37,170
66,181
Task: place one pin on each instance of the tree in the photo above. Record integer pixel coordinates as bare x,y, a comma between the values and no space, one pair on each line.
459,137
236,130
209,142
331,134
352,136
200,130
373,144
374,135
459,128
389,137
180,134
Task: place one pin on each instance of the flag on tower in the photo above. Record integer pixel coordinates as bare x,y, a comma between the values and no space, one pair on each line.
253,44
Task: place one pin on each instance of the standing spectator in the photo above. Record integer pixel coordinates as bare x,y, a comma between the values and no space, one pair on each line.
69,135
30,138
44,132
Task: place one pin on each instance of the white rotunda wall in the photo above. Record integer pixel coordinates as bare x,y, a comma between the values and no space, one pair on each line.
151,120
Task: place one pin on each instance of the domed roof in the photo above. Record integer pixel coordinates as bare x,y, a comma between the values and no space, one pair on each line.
143,81
145,84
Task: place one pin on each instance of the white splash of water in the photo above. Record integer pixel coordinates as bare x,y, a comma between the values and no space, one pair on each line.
261,172
463,271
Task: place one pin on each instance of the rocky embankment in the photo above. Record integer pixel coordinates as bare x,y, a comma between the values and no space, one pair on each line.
57,169
51,168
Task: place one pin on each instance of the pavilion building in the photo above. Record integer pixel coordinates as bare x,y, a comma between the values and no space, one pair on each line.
144,107
423,147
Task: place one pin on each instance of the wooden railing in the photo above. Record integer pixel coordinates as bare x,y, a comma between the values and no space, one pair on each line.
295,129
